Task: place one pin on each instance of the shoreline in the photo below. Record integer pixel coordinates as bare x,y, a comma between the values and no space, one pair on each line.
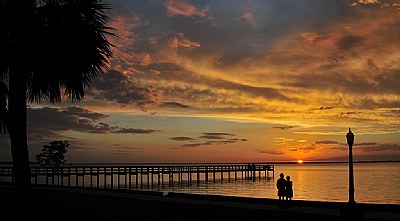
77,203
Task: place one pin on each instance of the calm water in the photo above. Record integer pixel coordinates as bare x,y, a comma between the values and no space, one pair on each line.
374,183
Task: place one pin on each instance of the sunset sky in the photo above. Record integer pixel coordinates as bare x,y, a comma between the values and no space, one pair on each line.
236,81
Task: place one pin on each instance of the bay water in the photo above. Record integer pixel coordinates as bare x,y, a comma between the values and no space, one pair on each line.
374,183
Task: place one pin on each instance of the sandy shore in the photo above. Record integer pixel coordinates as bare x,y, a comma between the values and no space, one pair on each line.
71,204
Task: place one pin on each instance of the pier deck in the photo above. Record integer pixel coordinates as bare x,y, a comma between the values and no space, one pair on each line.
140,176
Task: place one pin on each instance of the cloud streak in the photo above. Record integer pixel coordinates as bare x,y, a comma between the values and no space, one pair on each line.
182,138
210,139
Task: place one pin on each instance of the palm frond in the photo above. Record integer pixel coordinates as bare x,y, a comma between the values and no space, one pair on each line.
4,40
72,48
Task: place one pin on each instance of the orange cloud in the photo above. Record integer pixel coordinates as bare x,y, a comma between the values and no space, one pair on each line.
183,7
125,56
249,16
376,3
368,2
181,41
123,27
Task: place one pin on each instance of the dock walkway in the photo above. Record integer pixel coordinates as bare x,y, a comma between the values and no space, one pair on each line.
140,176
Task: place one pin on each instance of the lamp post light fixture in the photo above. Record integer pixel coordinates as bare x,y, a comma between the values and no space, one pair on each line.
350,142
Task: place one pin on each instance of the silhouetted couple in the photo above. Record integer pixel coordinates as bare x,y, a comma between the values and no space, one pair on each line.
285,190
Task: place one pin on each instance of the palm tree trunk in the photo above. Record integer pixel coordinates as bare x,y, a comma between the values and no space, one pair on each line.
18,138
21,35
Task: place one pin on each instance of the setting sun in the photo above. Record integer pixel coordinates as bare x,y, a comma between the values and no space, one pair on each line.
300,161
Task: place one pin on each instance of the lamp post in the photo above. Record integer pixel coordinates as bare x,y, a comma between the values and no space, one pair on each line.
351,211
350,142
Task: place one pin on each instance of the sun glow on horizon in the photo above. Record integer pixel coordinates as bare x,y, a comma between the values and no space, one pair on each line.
300,161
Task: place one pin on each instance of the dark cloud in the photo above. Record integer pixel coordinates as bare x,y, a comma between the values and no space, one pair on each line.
365,144
216,136
117,87
211,137
350,113
46,122
327,142
387,80
173,105
323,108
271,152
349,41
182,138
212,142
380,147
55,120
384,82
134,131
283,127
191,145
335,58
219,134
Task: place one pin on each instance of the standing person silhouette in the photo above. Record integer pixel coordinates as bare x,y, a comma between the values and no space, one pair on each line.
289,190
281,185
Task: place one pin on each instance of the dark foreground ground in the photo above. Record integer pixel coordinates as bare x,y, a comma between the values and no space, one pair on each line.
84,204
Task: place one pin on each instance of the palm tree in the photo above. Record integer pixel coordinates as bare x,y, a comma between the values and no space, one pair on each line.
49,50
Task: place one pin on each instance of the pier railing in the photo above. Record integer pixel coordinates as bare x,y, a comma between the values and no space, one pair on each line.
140,176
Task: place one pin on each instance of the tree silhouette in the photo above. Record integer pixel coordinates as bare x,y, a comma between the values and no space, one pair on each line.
49,50
52,155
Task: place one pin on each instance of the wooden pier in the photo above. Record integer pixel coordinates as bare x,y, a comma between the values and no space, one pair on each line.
142,176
